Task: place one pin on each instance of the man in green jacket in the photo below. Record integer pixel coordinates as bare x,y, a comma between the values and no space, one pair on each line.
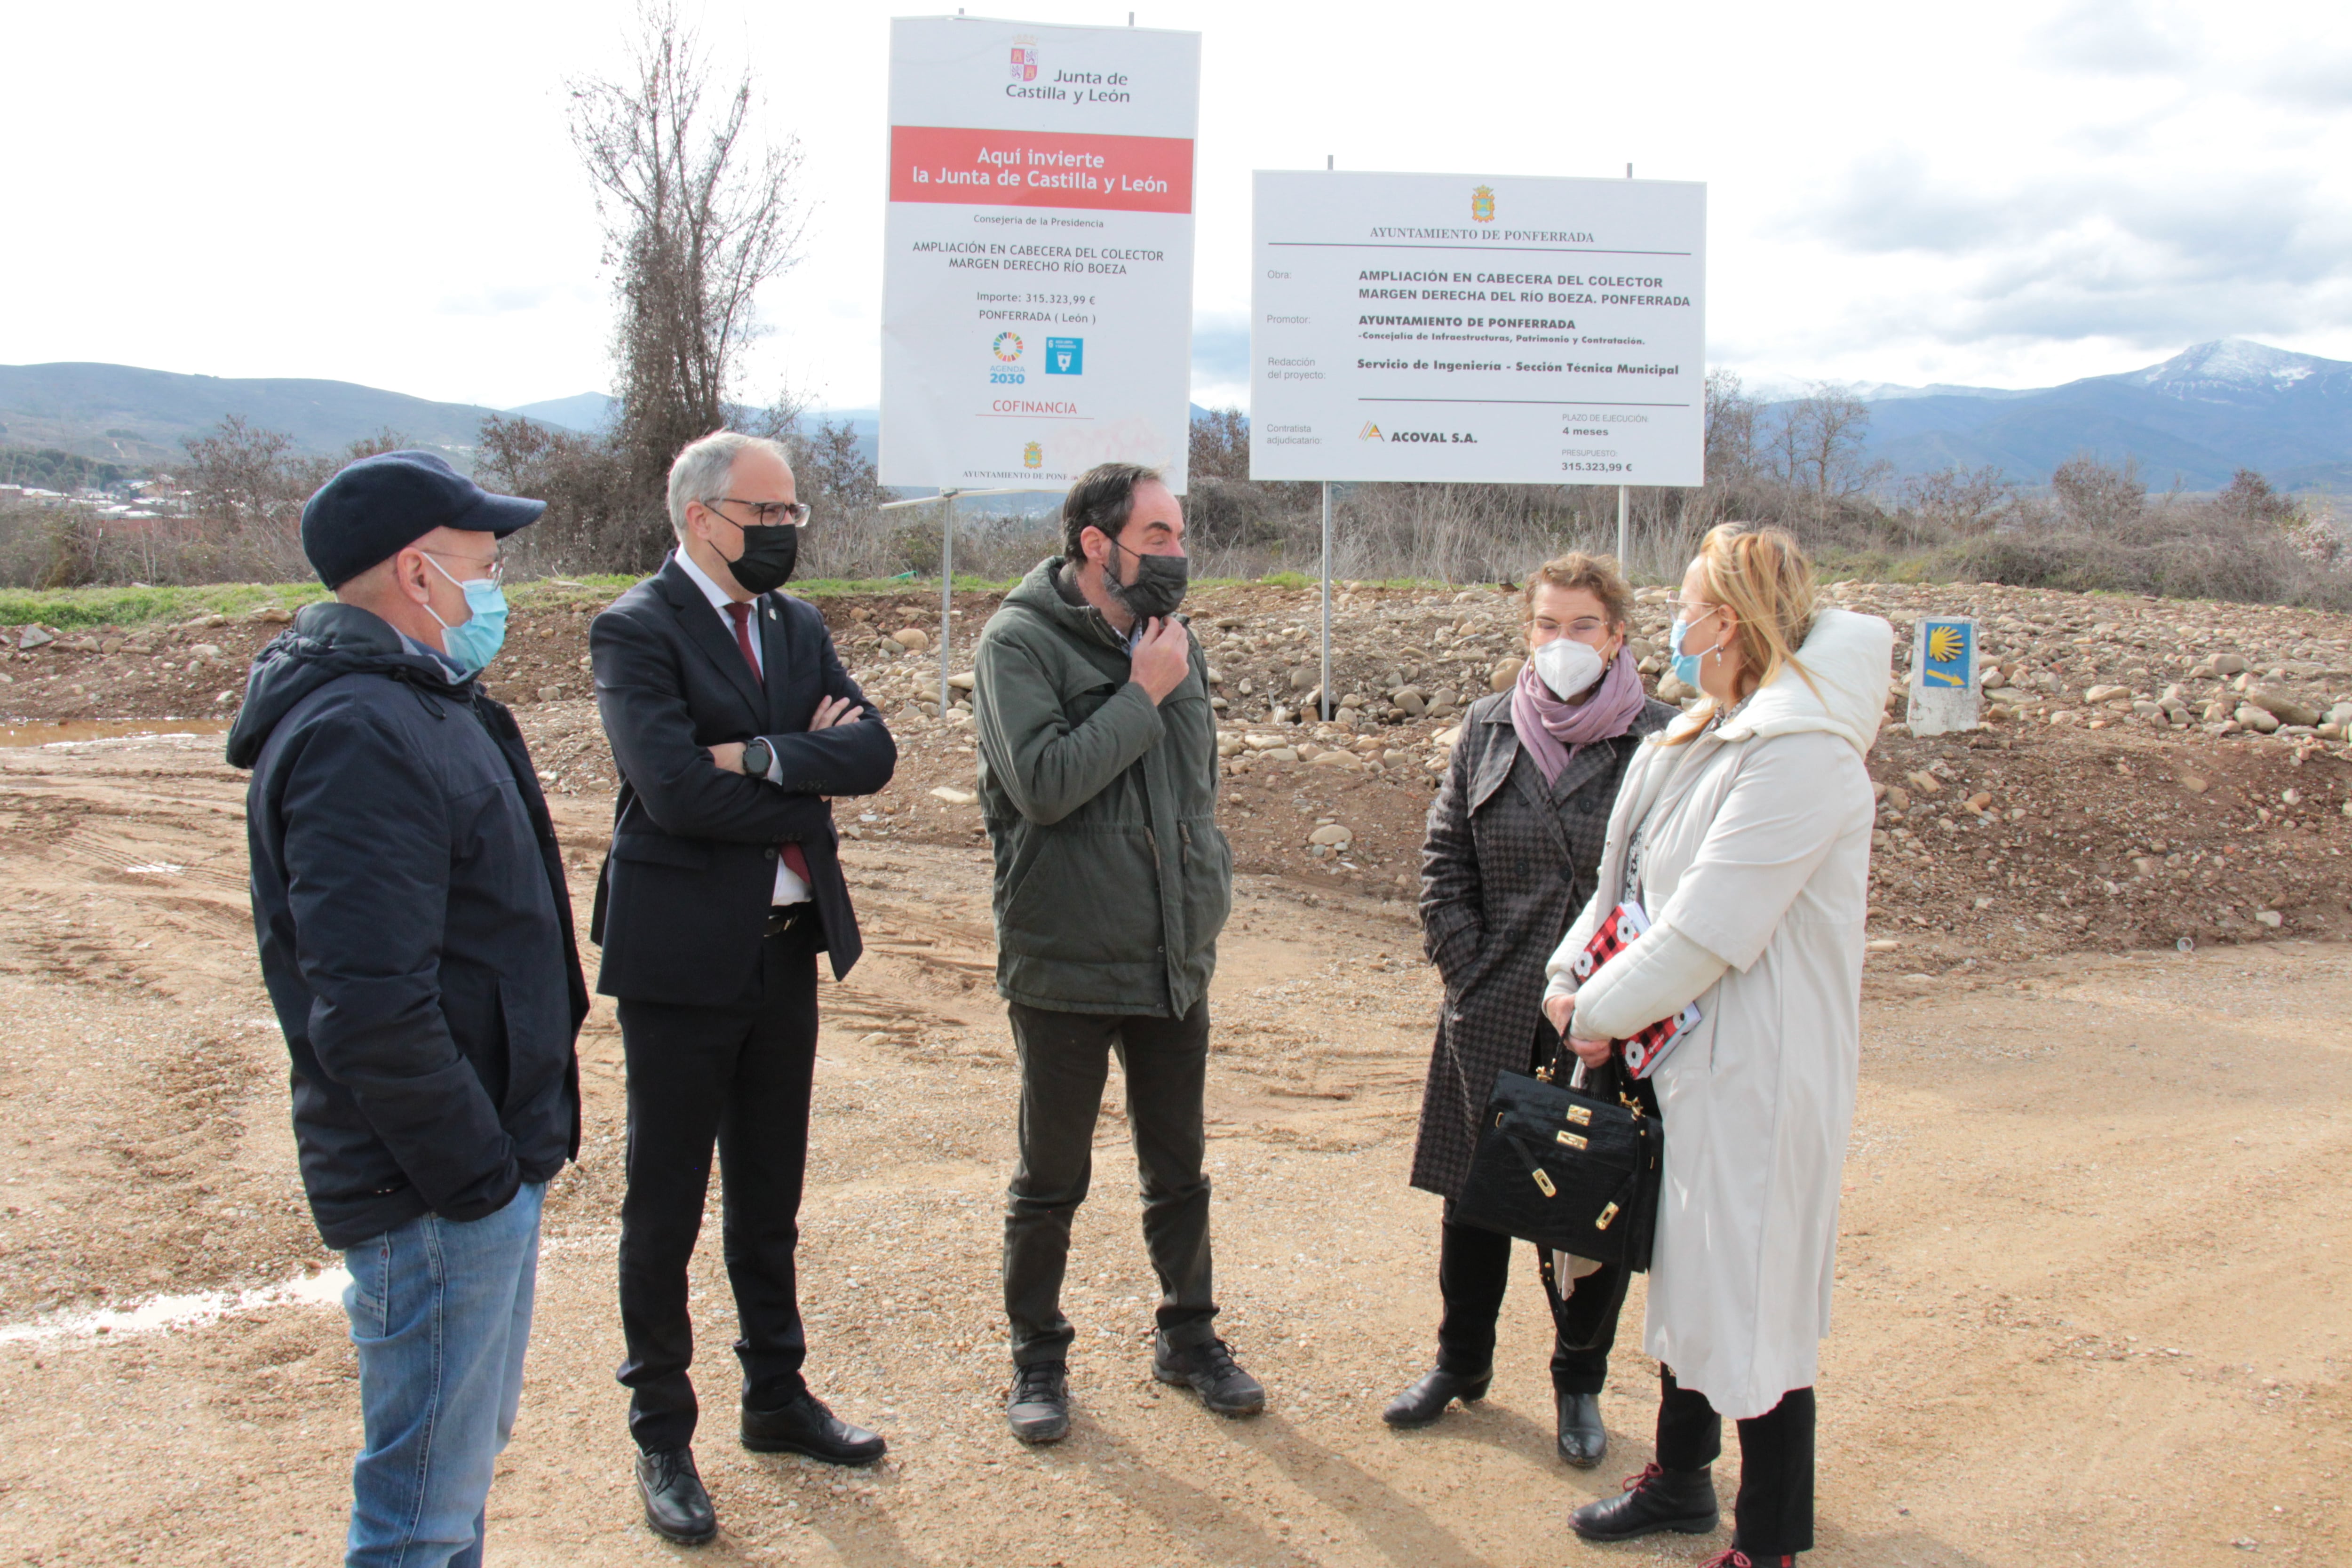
1098,779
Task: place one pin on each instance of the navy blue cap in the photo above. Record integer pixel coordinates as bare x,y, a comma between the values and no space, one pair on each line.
377,507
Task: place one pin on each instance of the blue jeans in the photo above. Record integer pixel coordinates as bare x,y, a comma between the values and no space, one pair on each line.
441,1313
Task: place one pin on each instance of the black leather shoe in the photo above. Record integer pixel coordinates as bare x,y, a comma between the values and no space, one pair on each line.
676,1505
1208,1369
807,1426
1426,1397
1038,1408
1654,1501
1583,1441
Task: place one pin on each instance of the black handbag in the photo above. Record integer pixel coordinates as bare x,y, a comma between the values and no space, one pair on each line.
1566,1171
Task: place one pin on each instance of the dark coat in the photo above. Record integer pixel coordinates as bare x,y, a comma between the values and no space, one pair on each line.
1112,878
686,886
1503,872
415,931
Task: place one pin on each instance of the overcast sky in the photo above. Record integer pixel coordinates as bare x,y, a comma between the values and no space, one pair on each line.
2007,195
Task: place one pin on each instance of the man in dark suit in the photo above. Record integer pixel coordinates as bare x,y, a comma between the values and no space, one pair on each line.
733,724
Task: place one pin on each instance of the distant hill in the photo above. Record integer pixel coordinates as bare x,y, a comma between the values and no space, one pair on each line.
120,414
2198,416
586,412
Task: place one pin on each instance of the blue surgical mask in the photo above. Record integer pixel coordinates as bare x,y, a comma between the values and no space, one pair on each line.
475,641
1686,664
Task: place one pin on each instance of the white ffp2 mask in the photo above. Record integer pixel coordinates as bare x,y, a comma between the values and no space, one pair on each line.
1566,665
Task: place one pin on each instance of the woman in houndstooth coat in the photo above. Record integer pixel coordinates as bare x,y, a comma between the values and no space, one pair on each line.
1514,844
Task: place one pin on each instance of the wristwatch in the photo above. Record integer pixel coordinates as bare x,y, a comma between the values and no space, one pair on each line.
758,757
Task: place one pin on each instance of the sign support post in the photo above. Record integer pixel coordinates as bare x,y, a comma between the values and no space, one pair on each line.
1625,530
1323,692
947,561
947,586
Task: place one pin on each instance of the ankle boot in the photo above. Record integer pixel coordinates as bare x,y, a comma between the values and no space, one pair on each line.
1656,1499
1425,1399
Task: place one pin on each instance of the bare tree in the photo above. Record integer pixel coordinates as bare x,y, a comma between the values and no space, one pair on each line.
696,216
1731,427
1817,444
2098,497
1964,501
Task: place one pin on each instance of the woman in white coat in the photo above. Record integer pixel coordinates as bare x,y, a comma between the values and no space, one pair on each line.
1744,831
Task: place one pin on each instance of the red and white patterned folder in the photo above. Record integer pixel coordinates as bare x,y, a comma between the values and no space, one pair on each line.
1647,1047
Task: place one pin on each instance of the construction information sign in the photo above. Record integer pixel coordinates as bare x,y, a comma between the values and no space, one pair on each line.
1472,328
1037,287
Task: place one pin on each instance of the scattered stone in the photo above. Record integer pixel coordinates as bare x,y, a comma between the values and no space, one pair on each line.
1409,699
205,650
1505,671
1899,798
2284,705
1333,834
2270,917
226,699
1335,758
1925,783
1304,676
953,795
911,639
550,693
2254,718
2106,693
34,636
110,644
271,615
1281,754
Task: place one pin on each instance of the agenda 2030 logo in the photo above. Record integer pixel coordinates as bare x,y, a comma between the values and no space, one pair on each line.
1007,350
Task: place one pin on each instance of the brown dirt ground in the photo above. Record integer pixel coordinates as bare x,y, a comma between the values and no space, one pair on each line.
2097,1212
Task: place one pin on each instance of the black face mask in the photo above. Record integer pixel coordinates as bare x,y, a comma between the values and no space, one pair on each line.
1158,586
769,556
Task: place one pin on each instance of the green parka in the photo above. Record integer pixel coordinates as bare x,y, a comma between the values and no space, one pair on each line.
1112,879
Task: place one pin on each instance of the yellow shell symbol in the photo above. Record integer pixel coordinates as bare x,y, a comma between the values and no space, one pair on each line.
1944,644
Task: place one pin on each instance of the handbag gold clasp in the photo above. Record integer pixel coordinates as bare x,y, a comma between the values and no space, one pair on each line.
1543,1179
1606,1216
1580,1114
1571,1139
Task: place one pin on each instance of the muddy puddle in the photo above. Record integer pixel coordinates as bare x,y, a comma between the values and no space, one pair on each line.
70,732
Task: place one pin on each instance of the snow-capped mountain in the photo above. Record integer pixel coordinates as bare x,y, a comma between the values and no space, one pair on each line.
2198,417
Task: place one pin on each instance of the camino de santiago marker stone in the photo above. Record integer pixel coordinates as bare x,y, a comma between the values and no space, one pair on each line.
1944,691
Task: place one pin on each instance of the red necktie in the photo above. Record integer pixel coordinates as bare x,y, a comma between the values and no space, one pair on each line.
742,615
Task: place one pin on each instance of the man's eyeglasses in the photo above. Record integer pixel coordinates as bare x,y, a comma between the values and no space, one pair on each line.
496,571
765,513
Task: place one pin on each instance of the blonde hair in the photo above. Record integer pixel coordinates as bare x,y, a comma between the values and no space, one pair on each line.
1594,575
1765,581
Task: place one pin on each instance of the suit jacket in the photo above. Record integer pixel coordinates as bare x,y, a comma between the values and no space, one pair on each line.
686,885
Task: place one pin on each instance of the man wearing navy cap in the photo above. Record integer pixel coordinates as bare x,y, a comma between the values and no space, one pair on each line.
415,937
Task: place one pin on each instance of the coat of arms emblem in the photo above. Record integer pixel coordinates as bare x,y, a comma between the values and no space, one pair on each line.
1025,59
1033,456
1482,204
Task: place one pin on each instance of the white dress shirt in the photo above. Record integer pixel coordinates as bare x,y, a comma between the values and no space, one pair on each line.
790,888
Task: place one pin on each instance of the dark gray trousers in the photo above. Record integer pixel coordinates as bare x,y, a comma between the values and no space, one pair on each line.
1064,1062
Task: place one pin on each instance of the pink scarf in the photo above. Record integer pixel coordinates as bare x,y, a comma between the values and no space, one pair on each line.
1553,732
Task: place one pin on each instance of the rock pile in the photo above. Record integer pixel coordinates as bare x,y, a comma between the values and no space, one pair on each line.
2150,771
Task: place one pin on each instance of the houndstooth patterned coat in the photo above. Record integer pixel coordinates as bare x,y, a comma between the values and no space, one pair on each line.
1506,866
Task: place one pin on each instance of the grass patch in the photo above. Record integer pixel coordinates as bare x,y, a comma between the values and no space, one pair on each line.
84,608
88,608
